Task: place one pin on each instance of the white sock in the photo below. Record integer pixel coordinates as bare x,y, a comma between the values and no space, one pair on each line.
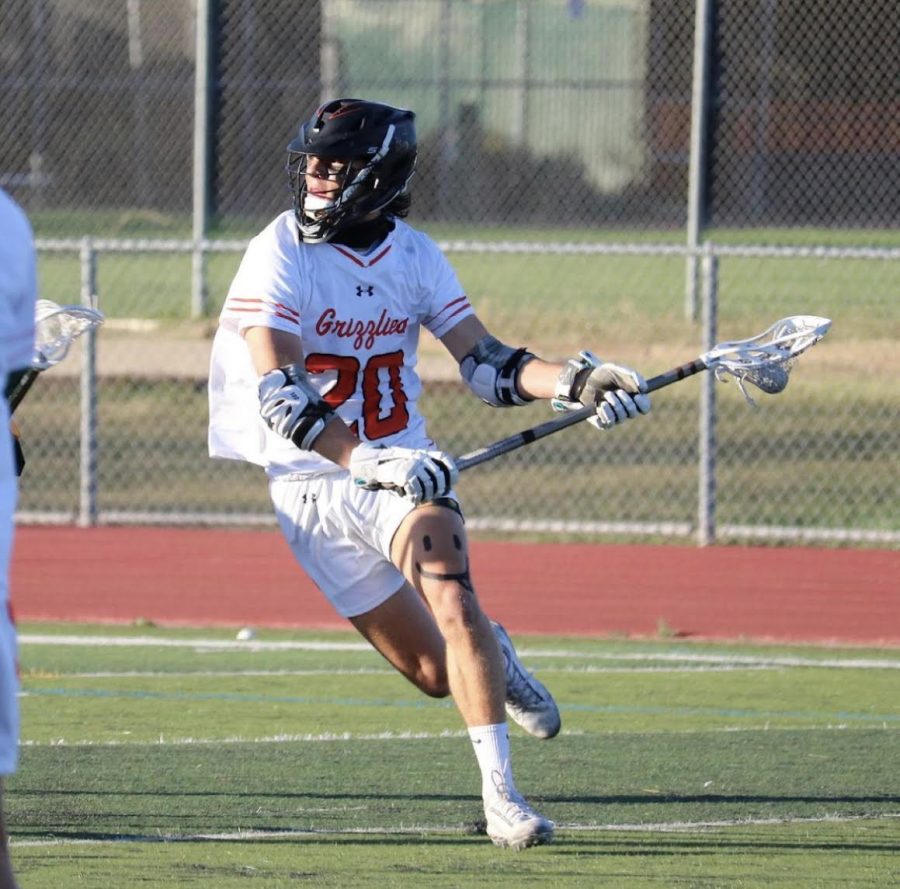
491,745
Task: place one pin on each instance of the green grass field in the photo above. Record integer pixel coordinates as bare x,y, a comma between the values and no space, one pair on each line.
631,298
137,223
522,290
160,757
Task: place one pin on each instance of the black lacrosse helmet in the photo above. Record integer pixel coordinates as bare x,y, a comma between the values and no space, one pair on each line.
379,139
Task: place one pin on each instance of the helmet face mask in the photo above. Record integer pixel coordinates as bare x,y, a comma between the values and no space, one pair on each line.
378,145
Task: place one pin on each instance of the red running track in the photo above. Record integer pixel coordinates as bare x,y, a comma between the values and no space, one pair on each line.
201,577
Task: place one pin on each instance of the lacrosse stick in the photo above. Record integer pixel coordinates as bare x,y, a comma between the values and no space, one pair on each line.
764,360
55,329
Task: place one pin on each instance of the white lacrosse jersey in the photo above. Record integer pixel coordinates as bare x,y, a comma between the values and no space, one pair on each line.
358,317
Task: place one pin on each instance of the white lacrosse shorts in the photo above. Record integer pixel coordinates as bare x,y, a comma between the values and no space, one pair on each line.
9,678
341,535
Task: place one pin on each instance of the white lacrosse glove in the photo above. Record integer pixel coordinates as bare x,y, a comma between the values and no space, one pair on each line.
616,391
417,474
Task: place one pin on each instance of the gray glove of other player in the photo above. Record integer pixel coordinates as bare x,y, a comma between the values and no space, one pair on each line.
418,474
618,392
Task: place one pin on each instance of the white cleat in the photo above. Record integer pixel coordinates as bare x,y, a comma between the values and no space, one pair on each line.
513,824
528,703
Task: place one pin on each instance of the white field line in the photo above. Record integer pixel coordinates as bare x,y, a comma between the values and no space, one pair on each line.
749,660
202,674
342,737
324,737
426,830
196,644
524,652
232,674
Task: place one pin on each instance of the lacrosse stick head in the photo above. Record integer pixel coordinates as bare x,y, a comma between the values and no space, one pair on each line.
765,360
56,328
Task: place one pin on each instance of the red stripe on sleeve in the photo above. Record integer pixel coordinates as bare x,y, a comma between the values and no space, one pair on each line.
462,299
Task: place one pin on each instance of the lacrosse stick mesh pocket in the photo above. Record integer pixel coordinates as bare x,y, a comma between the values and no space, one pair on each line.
766,361
56,328
771,377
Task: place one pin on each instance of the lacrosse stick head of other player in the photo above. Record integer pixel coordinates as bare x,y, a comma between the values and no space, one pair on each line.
765,360
350,162
56,328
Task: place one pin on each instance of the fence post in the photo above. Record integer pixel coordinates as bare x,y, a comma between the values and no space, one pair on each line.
522,40
201,173
706,517
329,57
448,128
87,494
696,198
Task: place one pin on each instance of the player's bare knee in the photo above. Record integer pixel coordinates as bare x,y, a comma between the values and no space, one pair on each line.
456,611
440,571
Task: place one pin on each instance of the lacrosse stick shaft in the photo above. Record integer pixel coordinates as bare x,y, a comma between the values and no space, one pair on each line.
527,436
25,382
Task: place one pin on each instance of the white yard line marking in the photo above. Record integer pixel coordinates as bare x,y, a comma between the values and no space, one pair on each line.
426,830
231,645
215,644
341,737
201,674
324,737
232,674
750,660
675,826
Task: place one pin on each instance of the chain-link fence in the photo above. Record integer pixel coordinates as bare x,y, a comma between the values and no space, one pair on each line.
574,156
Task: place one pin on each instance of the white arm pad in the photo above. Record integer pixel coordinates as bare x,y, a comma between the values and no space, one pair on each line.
291,406
491,371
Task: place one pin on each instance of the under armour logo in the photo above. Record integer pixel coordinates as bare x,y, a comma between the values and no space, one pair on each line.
365,291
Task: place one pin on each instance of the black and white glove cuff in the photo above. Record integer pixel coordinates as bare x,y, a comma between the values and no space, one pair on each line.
572,377
292,407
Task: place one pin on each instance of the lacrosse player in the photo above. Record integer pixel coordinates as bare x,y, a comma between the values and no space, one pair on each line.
313,376
18,291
